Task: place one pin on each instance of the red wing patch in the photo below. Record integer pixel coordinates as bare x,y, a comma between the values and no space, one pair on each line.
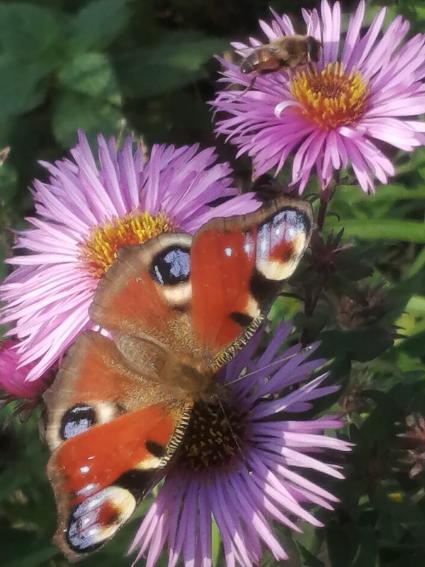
99,475
85,463
222,265
93,386
238,266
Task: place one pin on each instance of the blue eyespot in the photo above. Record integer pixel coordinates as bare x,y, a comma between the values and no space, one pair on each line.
171,266
76,420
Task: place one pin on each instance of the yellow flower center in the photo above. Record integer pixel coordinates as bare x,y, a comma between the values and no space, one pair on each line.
331,97
102,246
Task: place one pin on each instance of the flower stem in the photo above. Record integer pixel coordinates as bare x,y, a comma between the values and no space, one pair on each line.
324,200
325,197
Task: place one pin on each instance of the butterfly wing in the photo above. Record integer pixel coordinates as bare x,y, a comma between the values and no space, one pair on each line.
111,432
238,266
197,298
176,307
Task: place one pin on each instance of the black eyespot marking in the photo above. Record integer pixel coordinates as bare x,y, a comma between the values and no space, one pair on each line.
263,289
137,481
241,319
171,266
76,420
156,449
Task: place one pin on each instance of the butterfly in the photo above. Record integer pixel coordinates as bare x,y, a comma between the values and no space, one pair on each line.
175,309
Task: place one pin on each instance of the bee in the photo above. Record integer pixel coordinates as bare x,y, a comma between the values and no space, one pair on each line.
288,52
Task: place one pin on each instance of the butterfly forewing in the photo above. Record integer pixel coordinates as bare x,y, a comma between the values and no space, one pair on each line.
238,266
198,298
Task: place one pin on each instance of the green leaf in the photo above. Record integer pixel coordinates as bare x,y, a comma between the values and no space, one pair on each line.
352,546
360,344
393,192
8,186
416,305
89,73
216,545
382,229
367,552
21,87
74,111
172,64
33,559
97,24
29,32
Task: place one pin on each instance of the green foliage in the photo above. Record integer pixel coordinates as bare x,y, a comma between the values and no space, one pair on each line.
120,65
175,62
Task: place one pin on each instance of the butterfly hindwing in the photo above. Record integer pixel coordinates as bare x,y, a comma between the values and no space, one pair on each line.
111,432
100,475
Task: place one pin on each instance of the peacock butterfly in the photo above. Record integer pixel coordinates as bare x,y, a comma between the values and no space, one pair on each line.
175,309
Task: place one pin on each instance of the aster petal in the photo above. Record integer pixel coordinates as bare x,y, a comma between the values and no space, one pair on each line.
250,497
189,546
278,492
110,179
259,523
129,174
353,32
384,49
227,525
205,538
283,23
313,25
330,34
299,480
304,461
301,394
364,46
157,542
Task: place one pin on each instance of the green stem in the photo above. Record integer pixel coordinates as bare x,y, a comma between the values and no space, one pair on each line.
325,196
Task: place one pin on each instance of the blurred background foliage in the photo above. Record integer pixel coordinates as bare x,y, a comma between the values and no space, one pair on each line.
146,66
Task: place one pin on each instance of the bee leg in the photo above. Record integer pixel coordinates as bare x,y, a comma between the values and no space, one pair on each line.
250,86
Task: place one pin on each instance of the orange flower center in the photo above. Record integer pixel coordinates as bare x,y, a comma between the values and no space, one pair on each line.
102,246
331,97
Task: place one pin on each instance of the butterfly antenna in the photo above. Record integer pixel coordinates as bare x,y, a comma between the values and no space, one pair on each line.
269,366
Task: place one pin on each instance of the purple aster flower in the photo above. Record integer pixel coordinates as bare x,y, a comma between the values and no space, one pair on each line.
87,211
365,92
245,463
13,379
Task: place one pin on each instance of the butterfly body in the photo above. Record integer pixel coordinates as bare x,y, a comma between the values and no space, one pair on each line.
175,309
